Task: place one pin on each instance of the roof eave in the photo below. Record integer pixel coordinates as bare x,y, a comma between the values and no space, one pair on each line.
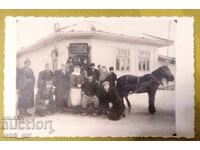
52,38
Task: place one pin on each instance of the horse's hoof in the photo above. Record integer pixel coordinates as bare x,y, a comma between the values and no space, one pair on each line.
174,134
152,111
123,115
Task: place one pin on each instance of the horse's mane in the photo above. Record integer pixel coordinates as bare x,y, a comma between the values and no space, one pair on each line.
156,72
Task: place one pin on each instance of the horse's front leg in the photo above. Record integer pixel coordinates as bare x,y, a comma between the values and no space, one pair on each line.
151,107
128,103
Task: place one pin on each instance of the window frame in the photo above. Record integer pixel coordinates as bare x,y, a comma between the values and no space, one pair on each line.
122,59
144,61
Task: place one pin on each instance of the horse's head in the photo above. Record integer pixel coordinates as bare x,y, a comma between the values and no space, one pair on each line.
166,73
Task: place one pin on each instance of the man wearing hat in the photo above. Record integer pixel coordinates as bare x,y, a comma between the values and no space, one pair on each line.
25,87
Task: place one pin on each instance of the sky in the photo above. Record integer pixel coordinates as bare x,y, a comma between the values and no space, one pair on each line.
32,29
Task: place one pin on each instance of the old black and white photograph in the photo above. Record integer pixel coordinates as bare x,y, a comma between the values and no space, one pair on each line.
93,77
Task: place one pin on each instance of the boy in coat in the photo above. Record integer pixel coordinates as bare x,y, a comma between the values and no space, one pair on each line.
112,77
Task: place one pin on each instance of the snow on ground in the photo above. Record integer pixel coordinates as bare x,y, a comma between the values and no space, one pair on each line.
137,123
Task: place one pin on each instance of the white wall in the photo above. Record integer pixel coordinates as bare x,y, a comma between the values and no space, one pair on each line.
40,57
102,52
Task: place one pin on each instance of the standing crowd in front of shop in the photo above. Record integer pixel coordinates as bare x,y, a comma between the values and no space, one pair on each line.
77,87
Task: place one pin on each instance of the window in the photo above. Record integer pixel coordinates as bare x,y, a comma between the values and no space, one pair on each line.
144,61
123,60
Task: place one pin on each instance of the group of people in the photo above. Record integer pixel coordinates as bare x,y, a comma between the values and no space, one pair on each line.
77,87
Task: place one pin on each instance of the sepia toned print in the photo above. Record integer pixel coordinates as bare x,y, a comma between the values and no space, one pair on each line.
91,79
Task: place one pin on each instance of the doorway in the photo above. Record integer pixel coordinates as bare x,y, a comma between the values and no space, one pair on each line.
79,51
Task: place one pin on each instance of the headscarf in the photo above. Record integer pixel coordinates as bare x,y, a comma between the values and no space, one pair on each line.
76,72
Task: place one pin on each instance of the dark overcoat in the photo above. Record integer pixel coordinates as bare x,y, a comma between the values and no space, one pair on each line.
41,97
111,96
94,73
43,77
62,87
111,78
90,88
25,86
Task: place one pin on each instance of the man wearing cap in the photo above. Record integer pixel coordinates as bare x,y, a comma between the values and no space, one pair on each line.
94,72
106,95
25,87
89,91
112,77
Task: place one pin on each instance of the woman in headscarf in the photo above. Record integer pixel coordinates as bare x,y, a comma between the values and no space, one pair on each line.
76,81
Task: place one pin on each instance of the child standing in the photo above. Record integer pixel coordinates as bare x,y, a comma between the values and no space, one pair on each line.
112,77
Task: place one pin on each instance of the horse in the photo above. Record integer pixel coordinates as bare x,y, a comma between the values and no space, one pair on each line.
148,83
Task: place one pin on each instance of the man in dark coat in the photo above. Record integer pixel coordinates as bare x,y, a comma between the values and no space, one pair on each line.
89,92
108,94
70,64
94,72
85,65
112,77
44,76
77,62
25,87
62,87
45,100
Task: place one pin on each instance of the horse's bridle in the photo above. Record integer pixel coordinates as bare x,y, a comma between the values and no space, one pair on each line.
166,73
155,79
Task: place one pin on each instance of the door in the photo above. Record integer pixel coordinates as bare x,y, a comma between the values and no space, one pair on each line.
79,51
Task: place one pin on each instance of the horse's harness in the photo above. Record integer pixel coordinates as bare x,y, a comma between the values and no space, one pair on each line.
140,85
155,79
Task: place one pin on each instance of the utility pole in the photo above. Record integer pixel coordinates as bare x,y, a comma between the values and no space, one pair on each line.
169,31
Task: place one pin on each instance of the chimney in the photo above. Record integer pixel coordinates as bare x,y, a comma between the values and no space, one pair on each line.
56,27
